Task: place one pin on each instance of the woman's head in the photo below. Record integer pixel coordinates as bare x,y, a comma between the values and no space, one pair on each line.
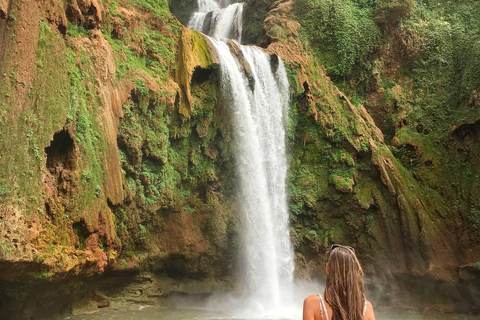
345,291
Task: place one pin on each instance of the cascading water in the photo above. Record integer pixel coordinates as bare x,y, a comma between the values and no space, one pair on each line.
257,106
217,21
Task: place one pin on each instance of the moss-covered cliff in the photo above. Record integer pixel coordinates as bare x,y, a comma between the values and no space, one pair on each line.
392,169
117,151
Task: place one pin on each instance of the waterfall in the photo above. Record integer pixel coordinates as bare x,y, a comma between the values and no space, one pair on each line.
258,102
216,21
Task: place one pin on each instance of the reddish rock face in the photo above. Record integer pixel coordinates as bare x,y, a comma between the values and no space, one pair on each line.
87,13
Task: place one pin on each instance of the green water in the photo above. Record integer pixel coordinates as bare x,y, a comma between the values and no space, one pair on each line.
169,314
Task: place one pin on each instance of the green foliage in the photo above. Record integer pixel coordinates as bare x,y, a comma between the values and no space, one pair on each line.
6,247
182,9
157,7
441,40
342,156
475,214
168,158
292,75
45,274
254,13
146,47
3,189
74,30
98,191
140,86
157,51
33,145
342,179
389,13
343,34
26,131
88,131
407,156
188,209
113,9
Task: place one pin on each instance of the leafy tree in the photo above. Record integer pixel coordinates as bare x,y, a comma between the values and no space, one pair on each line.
389,13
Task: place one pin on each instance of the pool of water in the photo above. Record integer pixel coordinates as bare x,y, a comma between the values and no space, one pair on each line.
149,313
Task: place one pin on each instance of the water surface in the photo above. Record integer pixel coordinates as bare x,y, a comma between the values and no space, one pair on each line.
171,314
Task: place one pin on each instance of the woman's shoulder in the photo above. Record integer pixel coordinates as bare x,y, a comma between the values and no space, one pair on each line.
312,298
369,314
369,305
311,311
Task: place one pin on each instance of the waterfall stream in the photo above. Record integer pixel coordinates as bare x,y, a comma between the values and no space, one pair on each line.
258,102
217,21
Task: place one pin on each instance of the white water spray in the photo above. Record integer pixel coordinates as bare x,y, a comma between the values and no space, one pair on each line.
258,102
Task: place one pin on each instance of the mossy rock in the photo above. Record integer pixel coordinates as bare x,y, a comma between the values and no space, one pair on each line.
343,184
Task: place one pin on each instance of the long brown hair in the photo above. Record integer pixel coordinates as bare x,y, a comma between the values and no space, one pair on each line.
345,290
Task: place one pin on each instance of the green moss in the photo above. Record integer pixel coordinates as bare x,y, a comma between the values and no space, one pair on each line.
188,209
201,49
342,156
6,248
3,189
139,85
343,34
146,47
169,159
364,191
28,130
74,30
475,217
440,39
83,112
342,183
427,147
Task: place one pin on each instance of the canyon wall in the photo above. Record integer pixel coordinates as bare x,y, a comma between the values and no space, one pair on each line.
118,161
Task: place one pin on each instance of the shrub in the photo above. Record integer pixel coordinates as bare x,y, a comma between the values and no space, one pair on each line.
343,34
389,13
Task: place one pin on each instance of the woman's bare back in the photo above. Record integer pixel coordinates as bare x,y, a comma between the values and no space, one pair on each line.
312,311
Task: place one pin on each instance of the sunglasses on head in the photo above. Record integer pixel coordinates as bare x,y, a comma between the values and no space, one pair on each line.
340,246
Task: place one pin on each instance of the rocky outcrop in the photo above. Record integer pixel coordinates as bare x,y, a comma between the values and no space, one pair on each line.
194,52
87,13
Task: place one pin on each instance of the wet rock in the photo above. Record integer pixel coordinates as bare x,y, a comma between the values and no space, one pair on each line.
245,66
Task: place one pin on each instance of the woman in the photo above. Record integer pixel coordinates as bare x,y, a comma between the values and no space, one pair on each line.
344,296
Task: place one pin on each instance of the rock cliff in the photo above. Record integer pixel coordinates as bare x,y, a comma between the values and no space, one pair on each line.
117,152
